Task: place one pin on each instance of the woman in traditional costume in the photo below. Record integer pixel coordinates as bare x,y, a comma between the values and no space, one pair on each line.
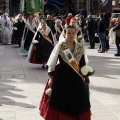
6,29
42,45
79,36
66,95
57,31
28,34
18,27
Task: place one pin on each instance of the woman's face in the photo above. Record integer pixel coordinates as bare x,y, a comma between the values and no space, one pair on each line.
70,34
31,19
43,23
20,16
58,23
73,22
5,17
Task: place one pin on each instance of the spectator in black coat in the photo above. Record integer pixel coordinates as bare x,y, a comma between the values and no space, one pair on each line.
19,24
91,28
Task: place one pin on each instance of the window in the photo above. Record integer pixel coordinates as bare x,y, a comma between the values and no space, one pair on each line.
114,2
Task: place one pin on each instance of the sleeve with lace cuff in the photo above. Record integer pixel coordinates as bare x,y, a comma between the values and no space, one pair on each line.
51,71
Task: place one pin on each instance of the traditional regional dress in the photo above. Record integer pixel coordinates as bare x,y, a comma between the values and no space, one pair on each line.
18,32
39,52
6,31
56,34
28,35
79,36
69,99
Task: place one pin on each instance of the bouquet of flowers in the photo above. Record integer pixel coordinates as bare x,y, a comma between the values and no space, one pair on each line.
48,91
34,42
80,39
87,71
15,28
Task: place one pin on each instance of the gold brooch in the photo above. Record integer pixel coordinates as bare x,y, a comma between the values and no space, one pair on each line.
64,46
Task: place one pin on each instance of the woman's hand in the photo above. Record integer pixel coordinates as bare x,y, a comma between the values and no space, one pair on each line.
50,81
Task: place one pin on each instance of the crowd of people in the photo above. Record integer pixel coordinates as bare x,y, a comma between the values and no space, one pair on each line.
21,29
58,43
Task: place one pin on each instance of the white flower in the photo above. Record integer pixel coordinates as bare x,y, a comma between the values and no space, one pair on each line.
111,41
34,41
96,35
48,91
15,28
16,21
80,36
90,69
86,69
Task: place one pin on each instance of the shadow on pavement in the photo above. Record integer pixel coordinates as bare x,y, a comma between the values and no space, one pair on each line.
106,67
105,89
15,46
7,91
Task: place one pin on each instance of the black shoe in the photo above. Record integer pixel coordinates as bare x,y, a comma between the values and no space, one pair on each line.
89,48
101,51
106,50
43,66
117,54
46,66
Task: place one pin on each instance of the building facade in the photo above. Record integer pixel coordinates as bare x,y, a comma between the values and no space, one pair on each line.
92,6
4,6
9,6
116,5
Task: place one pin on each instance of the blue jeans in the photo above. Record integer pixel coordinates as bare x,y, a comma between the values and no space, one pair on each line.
102,38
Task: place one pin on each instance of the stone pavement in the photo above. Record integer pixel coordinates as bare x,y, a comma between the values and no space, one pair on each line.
22,84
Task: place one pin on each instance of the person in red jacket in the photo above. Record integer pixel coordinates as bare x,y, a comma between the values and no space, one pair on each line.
67,21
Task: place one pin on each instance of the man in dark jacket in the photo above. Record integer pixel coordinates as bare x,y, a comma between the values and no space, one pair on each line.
82,24
19,24
91,28
50,22
102,34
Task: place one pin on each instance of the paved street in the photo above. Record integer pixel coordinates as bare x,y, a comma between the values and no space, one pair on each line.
22,84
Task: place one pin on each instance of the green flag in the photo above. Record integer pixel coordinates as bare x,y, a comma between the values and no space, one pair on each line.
32,6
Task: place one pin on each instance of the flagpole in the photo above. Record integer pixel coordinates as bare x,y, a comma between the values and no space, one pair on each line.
43,7
22,6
